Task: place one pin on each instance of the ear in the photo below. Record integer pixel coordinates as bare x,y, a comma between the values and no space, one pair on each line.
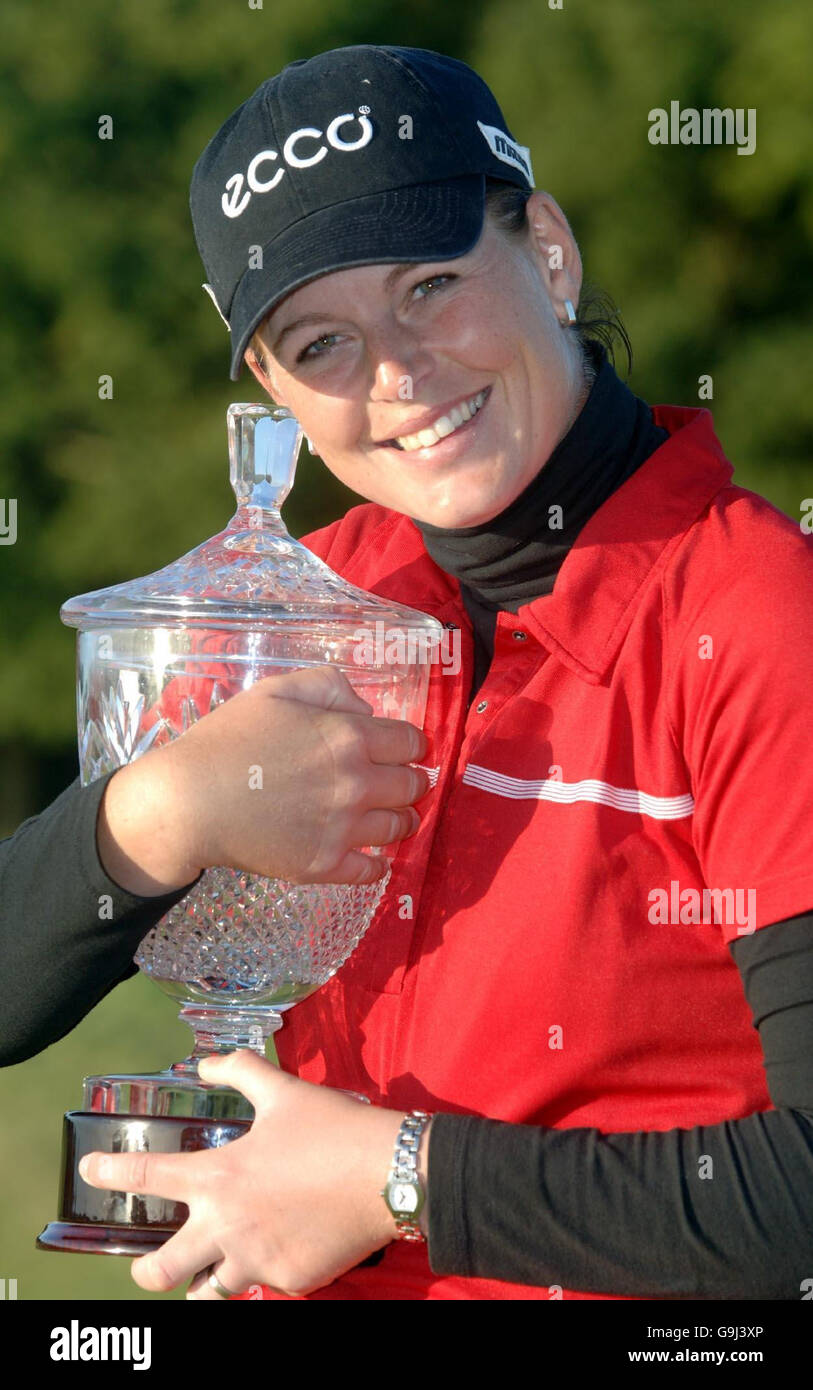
252,362
554,247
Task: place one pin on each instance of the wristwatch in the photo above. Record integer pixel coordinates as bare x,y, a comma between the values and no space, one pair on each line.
403,1192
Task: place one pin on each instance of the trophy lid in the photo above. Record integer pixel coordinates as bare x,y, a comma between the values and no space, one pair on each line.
253,574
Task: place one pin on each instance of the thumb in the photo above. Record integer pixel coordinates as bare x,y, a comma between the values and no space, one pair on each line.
246,1071
324,686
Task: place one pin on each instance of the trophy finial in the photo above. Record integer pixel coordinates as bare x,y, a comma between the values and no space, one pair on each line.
264,445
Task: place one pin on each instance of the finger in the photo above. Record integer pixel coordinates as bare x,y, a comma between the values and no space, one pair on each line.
228,1273
389,787
245,1070
324,686
200,1287
385,827
394,740
160,1175
190,1250
358,868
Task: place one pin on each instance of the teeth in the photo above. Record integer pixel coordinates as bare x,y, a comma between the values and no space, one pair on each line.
446,424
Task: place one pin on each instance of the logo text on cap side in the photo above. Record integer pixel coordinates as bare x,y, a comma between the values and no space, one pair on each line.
237,197
507,149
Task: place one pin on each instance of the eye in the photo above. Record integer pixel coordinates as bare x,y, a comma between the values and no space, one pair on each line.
306,351
307,354
432,280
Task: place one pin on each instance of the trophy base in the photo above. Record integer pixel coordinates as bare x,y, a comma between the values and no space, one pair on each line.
171,1111
77,1239
96,1221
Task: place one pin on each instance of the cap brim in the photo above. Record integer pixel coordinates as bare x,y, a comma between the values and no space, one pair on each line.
424,222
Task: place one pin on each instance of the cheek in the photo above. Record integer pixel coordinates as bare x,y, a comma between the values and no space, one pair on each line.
329,421
363,477
483,333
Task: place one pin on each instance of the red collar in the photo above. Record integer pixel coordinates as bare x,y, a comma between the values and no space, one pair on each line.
627,543
622,548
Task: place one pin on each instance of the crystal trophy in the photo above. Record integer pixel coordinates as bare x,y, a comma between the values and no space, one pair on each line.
155,655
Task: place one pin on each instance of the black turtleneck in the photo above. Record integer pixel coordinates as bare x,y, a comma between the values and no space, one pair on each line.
516,556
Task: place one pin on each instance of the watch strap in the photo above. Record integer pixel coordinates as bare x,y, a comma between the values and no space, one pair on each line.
404,1173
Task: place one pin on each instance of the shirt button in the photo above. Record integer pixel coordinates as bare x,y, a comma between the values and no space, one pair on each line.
519,636
483,705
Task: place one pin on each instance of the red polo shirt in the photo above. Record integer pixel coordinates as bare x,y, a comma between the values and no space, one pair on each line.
544,954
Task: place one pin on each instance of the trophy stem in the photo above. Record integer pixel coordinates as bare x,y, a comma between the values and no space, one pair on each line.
224,1028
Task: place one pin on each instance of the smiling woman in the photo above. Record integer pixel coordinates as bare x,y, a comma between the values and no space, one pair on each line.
418,315
475,340
439,392
556,1071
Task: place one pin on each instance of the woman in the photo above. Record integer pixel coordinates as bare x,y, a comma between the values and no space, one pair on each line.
563,983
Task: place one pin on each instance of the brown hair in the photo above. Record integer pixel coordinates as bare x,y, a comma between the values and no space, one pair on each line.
597,316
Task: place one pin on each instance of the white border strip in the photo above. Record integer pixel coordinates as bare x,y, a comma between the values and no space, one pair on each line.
589,789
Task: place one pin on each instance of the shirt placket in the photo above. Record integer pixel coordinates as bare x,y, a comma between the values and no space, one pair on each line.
516,658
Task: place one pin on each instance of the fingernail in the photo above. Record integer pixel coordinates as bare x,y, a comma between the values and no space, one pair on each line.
102,1168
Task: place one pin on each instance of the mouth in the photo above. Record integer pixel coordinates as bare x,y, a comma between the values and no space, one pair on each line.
441,440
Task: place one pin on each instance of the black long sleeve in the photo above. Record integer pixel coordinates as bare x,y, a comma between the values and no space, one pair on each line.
635,1213
720,1211
67,931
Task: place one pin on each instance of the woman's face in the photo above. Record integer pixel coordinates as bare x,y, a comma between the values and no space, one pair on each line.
386,346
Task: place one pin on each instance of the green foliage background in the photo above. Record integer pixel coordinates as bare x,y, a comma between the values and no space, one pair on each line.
706,252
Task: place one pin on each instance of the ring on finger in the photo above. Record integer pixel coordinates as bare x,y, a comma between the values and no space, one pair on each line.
214,1283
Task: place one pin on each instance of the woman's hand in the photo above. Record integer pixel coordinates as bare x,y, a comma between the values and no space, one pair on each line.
332,778
293,1203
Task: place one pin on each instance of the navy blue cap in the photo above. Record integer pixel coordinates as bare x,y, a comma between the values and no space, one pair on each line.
358,156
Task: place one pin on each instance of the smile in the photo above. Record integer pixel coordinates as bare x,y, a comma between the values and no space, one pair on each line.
445,425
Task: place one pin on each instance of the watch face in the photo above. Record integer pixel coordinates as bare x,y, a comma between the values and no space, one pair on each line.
403,1197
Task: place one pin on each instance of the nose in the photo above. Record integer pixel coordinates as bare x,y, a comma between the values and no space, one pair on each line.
399,362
